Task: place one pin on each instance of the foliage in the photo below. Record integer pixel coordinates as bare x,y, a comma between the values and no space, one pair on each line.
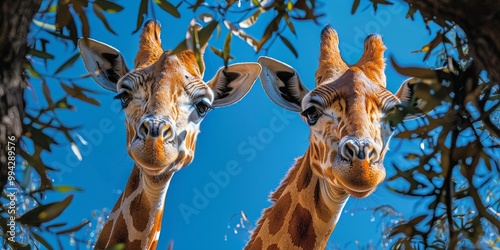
450,174
456,172
41,127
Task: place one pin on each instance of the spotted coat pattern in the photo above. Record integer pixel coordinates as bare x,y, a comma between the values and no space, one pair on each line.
348,141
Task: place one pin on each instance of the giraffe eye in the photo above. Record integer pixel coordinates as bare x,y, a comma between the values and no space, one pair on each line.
202,108
125,98
392,125
312,114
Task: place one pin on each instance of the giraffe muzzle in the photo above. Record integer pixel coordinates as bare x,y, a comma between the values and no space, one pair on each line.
155,128
353,148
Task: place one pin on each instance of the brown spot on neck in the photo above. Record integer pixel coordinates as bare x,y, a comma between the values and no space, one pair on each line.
140,210
301,228
322,210
278,213
273,247
254,244
305,177
133,182
120,233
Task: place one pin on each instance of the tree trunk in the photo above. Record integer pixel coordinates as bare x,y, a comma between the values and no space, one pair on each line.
15,19
480,20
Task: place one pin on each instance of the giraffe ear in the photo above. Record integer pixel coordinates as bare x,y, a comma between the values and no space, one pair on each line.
282,84
104,63
406,94
231,84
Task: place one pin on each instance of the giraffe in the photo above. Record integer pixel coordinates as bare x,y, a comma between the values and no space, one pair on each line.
347,143
164,100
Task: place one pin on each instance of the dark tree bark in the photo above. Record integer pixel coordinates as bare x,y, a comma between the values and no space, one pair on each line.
15,19
480,21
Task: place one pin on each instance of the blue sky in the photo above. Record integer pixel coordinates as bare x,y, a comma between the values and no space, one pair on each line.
240,137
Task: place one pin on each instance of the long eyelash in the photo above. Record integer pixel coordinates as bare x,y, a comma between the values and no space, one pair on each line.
119,95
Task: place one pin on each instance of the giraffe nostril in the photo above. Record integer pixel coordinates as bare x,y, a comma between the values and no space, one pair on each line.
155,128
143,130
167,133
349,150
372,154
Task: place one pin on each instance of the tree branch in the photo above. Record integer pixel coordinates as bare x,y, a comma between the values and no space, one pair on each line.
478,19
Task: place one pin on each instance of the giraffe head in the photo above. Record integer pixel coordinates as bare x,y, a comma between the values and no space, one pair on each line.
164,97
345,111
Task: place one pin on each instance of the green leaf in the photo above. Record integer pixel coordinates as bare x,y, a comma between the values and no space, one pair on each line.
63,104
68,63
308,9
219,52
411,11
43,25
241,34
109,6
143,10
289,45
414,71
83,17
73,32
179,48
63,16
40,54
41,240
289,23
203,36
196,5
205,33
98,12
34,160
227,48
355,6
256,3
168,7
66,188
29,67
250,20
270,29
37,135
78,92
438,39
44,213
74,229
55,225
52,8
377,2
46,93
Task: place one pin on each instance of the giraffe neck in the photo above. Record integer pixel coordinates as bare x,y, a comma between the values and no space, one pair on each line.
306,209
136,217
